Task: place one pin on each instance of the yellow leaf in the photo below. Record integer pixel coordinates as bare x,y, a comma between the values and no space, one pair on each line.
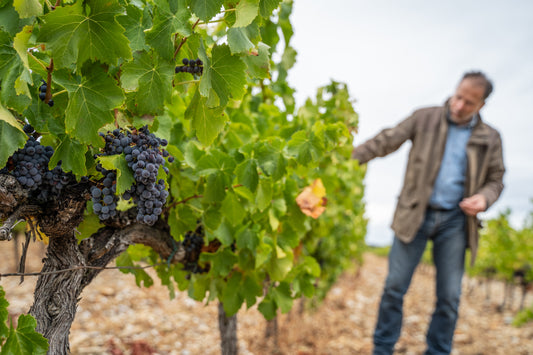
318,188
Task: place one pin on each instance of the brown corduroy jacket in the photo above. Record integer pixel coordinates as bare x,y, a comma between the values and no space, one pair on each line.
427,129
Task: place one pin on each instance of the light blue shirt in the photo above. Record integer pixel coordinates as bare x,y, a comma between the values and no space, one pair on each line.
448,190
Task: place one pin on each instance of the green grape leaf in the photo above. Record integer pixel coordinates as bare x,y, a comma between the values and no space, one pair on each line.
271,160
124,174
251,289
11,138
267,6
4,314
72,156
9,19
224,233
152,77
206,9
134,22
215,188
170,17
282,296
75,35
259,64
247,174
222,261
288,59
11,69
281,265
223,73
268,308
232,209
246,238
263,197
28,8
305,149
238,40
231,298
24,339
208,122
7,117
142,278
246,11
91,100
20,43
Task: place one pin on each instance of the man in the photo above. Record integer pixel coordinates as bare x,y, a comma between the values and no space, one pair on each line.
455,170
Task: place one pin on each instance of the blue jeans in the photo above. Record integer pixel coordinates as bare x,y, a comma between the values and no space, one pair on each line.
447,231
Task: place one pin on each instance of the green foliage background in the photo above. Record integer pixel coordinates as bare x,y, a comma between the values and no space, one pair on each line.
243,150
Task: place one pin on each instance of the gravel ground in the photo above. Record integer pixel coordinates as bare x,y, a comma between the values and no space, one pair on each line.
116,317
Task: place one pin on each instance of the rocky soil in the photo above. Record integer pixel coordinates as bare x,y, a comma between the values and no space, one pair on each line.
116,317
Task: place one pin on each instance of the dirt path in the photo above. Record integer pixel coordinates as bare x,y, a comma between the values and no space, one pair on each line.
116,317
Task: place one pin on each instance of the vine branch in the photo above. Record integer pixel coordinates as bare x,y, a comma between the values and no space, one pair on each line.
79,267
183,40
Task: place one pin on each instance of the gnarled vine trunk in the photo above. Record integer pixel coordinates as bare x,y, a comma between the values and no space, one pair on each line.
228,332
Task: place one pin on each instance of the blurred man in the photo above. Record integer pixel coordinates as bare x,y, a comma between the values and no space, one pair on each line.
455,170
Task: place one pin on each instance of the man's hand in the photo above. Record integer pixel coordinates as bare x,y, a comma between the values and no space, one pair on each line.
474,204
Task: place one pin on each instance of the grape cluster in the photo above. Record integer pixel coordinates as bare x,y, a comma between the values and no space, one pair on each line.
193,243
42,93
31,163
190,66
104,198
29,166
145,156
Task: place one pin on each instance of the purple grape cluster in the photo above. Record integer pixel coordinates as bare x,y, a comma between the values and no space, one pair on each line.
31,163
193,243
29,166
190,66
104,198
145,156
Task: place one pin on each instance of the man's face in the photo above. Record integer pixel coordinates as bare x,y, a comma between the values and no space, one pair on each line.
467,100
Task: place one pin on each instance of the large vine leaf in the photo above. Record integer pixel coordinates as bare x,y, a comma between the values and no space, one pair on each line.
206,9
224,74
9,18
238,40
11,68
135,22
151,79
11,136
22,340
91,99
78,33
72,156
246,11
170,17
208,122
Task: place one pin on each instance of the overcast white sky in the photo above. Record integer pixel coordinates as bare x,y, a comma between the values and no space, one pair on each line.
399,56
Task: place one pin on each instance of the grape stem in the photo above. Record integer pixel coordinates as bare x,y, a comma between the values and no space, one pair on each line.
183,40
187,82
50,69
